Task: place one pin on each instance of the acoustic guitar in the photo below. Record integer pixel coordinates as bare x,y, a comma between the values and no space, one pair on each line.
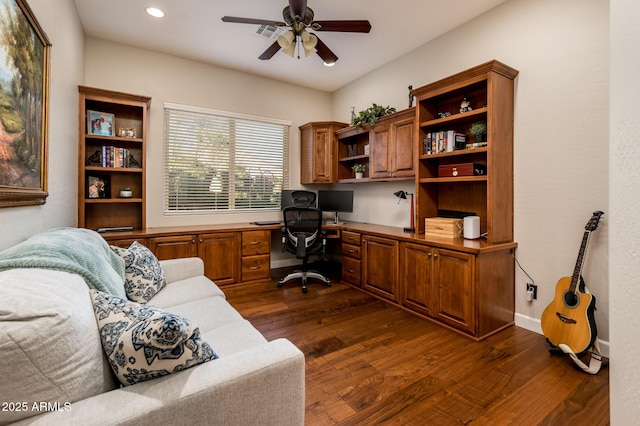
569,318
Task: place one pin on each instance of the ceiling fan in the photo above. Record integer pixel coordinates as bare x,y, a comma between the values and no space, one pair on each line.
299,18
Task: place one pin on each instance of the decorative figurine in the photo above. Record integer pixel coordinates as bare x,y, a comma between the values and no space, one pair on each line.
465,105
353,113
410,96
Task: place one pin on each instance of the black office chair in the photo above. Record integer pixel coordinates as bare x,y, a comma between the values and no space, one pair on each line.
302,235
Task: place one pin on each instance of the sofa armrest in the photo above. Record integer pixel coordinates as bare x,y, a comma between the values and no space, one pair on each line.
181,269
262,385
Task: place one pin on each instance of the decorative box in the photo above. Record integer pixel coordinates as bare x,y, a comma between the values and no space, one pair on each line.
443,227
462,169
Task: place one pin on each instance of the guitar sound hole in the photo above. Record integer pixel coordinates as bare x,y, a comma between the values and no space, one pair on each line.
570,299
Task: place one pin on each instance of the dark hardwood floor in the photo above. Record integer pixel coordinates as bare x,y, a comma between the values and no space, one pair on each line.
370,363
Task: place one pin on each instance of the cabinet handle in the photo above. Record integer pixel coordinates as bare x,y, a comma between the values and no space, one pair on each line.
351,250
256,242
435,255
253,268
428,254
351,271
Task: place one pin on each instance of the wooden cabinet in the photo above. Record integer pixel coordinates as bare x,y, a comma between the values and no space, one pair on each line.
256,255
417,278
218,251
386,148
351,255
174,247
489,88
454,289
380,262
318,152
112,157
392,150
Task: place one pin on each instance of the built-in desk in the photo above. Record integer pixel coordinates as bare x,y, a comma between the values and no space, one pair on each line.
465,285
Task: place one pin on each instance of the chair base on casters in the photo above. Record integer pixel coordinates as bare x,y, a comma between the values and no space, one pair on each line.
304,275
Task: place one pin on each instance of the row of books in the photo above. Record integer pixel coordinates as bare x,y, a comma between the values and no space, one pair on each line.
443,141
117,157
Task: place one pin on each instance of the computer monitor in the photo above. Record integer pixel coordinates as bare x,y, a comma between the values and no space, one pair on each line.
335,201
286,199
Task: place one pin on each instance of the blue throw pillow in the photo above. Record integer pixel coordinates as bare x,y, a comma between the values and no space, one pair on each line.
143,273
143,342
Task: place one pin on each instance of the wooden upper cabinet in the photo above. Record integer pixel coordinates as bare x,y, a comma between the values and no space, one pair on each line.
392,149
318,152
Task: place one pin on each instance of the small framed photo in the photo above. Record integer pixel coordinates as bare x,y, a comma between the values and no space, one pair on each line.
98,187
99,123
127,133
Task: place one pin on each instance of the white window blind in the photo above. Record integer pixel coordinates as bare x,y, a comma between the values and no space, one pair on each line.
219,161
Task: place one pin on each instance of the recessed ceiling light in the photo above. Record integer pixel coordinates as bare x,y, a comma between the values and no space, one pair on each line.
155,12
329,64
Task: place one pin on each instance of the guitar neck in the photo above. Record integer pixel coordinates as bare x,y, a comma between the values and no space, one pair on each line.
577,271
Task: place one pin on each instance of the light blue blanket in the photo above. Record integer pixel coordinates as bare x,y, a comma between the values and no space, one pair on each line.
75,250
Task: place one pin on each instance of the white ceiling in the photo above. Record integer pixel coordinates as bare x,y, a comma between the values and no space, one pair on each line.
193,29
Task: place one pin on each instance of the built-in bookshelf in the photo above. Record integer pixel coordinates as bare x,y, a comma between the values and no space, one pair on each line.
112,157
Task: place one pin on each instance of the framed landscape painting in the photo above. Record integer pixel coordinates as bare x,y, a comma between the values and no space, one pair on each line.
24,97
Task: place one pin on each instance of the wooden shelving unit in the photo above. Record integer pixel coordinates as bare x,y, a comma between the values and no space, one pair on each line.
129,114
490,90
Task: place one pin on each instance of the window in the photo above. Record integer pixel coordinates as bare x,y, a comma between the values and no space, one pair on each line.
220,161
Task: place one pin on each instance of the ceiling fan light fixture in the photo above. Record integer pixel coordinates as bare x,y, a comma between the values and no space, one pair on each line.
329,64
309,42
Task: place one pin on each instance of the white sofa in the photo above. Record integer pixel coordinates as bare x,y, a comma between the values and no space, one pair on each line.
53,370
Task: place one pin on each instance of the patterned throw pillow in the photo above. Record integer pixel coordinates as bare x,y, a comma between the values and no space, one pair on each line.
143,342
143,275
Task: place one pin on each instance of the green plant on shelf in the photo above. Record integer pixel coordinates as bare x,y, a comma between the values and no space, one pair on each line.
371,115
358,168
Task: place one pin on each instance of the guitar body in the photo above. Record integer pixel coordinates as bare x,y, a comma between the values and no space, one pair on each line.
569,318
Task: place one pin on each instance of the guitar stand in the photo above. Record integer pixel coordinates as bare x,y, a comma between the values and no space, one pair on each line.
595,362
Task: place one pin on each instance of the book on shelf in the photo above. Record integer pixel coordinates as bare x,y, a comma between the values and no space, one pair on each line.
116,157
443,141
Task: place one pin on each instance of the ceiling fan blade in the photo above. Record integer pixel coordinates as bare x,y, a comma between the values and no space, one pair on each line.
355,26
327,56
298,7
272,50
237,20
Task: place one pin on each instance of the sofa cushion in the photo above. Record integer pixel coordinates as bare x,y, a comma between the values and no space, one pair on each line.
187,290
49,340
143,273
144,342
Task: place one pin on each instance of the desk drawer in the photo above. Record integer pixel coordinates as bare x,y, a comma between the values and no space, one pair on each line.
351,237
255,268
256,242
351,271
351,251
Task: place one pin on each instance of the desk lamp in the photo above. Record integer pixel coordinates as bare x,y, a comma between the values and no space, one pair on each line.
402,195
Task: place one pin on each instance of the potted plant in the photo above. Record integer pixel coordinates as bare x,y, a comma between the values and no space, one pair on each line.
479,130
371,115
359,169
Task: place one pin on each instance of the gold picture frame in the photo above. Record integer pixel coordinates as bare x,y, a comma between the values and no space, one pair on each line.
23,175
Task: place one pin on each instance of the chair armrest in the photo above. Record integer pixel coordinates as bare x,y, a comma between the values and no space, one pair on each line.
181,269
263,385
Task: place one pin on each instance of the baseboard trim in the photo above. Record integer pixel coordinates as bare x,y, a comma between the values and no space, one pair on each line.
533,324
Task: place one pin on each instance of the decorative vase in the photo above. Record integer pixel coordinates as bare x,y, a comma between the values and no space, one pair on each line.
126,193
359,175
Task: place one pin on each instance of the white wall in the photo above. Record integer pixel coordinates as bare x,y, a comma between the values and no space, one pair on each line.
60,22
560,48
624,190
167,78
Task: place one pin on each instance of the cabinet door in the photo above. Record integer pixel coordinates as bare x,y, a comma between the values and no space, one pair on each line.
380,266
455,301
323,155
417,278
379,153
221,256
174,247
402,148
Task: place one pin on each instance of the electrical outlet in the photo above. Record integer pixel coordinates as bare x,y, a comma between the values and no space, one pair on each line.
532,292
